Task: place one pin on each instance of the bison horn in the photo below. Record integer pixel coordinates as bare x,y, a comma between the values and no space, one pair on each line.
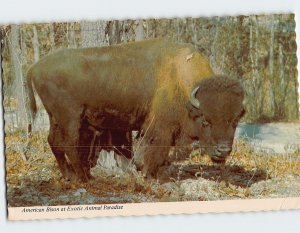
193,100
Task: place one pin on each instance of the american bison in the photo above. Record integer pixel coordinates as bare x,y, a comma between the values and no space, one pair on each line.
163,89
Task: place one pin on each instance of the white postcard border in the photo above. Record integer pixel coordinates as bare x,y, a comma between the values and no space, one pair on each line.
161,208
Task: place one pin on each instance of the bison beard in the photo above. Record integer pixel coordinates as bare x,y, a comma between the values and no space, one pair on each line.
95,98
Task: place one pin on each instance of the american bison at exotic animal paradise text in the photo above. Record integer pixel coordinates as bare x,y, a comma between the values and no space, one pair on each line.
96,97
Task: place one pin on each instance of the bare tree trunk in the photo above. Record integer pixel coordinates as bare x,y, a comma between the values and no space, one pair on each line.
52,37
240,45
139,31
280,108
258,81
93,34
213,54
124,37
147,29
71,35
113,32
255,84
23,57
35,44
194,33
153,23
41,118
271,69
19,90
178,29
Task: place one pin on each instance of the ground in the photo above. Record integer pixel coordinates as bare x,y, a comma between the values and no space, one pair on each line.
33,178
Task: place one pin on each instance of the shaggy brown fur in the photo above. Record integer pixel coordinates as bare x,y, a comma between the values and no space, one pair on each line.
141,86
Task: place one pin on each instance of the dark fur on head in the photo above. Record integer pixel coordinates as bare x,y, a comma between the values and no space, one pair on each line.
221,83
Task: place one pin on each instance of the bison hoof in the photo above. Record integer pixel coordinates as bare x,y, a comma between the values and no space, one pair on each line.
69,175
77,179
149,174
71,179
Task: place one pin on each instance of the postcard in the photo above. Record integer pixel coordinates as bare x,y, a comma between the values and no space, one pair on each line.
151,116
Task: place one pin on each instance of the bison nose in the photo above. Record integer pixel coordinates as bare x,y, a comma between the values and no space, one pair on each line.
220,152
223,149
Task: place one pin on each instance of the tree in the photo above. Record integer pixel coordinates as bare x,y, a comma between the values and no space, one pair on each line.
139,31
35,44
113,32
93,34
52,37
18,84
71,35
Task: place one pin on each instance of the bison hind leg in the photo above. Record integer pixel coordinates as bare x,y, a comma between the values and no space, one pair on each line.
55,140
64,166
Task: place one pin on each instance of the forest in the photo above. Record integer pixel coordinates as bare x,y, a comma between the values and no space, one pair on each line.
259,50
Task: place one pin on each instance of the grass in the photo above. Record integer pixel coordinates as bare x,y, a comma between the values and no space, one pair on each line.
31,167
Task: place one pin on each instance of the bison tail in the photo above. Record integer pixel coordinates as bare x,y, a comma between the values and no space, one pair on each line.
31,99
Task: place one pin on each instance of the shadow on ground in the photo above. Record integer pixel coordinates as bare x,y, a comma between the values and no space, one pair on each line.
235,175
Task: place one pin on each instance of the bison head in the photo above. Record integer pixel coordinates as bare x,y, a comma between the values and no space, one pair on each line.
215,108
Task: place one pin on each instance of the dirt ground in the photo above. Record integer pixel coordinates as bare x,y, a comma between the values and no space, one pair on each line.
33,178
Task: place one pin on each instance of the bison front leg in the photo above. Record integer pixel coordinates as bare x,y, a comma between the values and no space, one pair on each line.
183,148
156,153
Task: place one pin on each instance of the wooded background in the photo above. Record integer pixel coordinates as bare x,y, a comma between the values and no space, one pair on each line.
260,50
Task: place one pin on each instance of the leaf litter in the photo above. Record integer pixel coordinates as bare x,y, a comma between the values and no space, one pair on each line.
35,179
